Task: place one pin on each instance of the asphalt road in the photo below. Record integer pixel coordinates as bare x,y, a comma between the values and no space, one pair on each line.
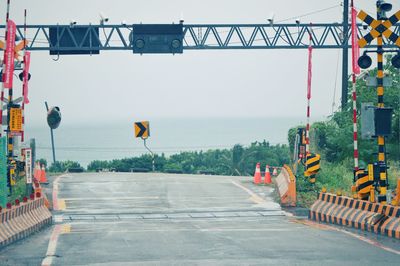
153,219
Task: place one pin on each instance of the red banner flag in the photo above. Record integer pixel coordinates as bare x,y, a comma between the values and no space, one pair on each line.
309,71
27,62
9,56
355,49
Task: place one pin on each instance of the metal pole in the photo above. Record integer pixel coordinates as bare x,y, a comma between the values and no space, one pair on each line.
23,90
345,56
354,91
152,156
52,146
381,139
309,80
52,138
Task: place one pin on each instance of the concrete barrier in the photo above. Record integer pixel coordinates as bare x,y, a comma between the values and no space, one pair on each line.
20,221
364,215
286,186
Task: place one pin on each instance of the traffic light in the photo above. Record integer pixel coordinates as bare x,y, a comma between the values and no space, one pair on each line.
301,143
54,117
396,60
157,38
364,61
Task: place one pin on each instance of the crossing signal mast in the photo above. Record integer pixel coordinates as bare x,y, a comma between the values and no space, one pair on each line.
375,178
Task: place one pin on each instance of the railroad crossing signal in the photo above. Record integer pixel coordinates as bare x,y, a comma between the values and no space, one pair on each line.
379,27
142,129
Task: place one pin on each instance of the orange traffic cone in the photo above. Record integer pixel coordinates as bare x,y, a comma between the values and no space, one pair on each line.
267,179
275,172
257,174
43,178
36,172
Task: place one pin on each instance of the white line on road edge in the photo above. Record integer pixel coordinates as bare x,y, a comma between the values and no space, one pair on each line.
254,197
359,237
56,206
52,247
58,230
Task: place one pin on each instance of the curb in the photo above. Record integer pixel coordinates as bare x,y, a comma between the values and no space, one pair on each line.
359,214
23,220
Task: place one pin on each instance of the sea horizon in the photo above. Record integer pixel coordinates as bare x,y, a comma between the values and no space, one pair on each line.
107,141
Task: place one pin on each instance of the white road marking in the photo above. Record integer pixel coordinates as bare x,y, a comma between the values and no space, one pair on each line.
52,247
357,236
254,197
97,231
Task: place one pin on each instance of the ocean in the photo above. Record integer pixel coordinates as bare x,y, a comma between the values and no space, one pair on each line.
85,143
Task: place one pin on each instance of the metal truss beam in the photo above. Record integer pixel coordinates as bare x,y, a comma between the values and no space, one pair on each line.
210,36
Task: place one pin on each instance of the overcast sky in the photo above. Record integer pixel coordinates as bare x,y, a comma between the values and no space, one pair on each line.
121,86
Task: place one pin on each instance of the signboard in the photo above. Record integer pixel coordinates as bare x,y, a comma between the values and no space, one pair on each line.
28,165
367,120
9,56
142,129
15,119
85,39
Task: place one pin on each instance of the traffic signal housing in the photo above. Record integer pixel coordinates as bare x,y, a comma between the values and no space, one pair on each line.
157,38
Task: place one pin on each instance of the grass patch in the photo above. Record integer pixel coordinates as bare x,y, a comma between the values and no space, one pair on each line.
335,177
19,191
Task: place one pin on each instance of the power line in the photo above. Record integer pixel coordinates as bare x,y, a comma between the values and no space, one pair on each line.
309,14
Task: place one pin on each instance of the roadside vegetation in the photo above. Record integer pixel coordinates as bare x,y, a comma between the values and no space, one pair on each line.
240,160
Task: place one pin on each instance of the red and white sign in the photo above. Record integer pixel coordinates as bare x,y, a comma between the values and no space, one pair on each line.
9,55
28,165
27,62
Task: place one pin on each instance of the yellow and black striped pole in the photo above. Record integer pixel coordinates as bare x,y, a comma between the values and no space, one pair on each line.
381,139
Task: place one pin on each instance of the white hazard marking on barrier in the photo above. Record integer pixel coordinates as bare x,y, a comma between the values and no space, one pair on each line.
52,247
254,197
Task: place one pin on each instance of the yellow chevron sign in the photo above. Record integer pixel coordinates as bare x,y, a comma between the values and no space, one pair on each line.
379,27
142,129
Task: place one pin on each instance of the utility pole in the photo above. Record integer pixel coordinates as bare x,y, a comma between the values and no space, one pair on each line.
153,165
345,55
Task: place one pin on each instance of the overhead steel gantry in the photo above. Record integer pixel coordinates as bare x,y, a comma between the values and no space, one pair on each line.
96,38
202,36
